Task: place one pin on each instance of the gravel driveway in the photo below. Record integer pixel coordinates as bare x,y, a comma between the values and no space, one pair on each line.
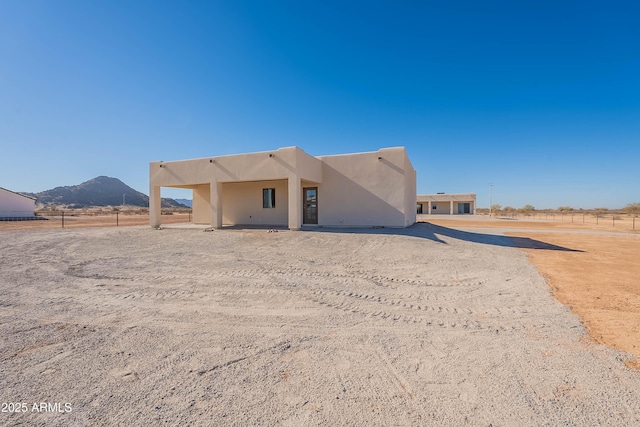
135,326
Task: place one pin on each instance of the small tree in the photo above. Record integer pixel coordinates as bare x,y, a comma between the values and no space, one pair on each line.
495,208
598,212
527,209
632,209
565,209
509,210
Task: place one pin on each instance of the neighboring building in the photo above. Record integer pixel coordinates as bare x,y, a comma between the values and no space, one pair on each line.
288,187
15,205
452,204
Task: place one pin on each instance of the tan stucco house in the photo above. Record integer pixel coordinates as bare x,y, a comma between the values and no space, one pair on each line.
288,187
441,203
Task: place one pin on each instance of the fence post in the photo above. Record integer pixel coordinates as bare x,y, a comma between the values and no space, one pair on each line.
189,216
634,223
583,218
596,219
613,218
117,222
62,219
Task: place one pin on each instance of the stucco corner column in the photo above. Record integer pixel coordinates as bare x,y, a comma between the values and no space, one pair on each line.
216,204
429,208
451,207
295,203
154,206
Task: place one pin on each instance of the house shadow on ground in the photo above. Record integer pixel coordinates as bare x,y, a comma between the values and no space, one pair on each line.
431,232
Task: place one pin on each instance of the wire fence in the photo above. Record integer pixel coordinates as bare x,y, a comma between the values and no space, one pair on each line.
620,221
88,218
129,217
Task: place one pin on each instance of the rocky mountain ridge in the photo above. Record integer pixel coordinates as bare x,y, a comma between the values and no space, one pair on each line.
99,191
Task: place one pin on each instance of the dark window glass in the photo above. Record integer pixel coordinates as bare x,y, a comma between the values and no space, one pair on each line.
268,197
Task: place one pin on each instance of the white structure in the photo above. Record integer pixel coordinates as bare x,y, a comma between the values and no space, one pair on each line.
452,204
15,205
288,187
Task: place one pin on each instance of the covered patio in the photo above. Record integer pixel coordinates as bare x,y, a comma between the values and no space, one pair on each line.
265,188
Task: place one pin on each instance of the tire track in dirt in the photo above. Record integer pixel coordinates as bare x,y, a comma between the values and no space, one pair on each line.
83,270
409,308
270,284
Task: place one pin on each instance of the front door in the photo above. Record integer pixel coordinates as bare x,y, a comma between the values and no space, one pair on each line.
310,205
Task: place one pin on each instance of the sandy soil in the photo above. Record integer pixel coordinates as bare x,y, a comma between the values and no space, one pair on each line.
623,226
599,281
134,326
596,276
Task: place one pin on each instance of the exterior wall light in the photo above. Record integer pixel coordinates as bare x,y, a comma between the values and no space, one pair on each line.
211,161
270,154
379,158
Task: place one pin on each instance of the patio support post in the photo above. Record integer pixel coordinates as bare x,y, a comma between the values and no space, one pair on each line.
154,206
216,204
295,202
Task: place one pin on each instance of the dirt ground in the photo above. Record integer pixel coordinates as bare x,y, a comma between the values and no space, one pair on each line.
85,221
424,326
620,226
599,278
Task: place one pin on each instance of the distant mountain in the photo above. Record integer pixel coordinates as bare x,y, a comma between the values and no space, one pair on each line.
100,191
186,202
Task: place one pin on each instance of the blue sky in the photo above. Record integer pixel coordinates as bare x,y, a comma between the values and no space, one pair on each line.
540,98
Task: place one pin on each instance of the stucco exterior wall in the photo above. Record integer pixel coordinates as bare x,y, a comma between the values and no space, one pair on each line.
242,203
308,167
410,191
267,165
456,197
440,208
15,205
201,204
361,190
442,202
290,163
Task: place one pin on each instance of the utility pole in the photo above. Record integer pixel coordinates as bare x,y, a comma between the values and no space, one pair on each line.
490,199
